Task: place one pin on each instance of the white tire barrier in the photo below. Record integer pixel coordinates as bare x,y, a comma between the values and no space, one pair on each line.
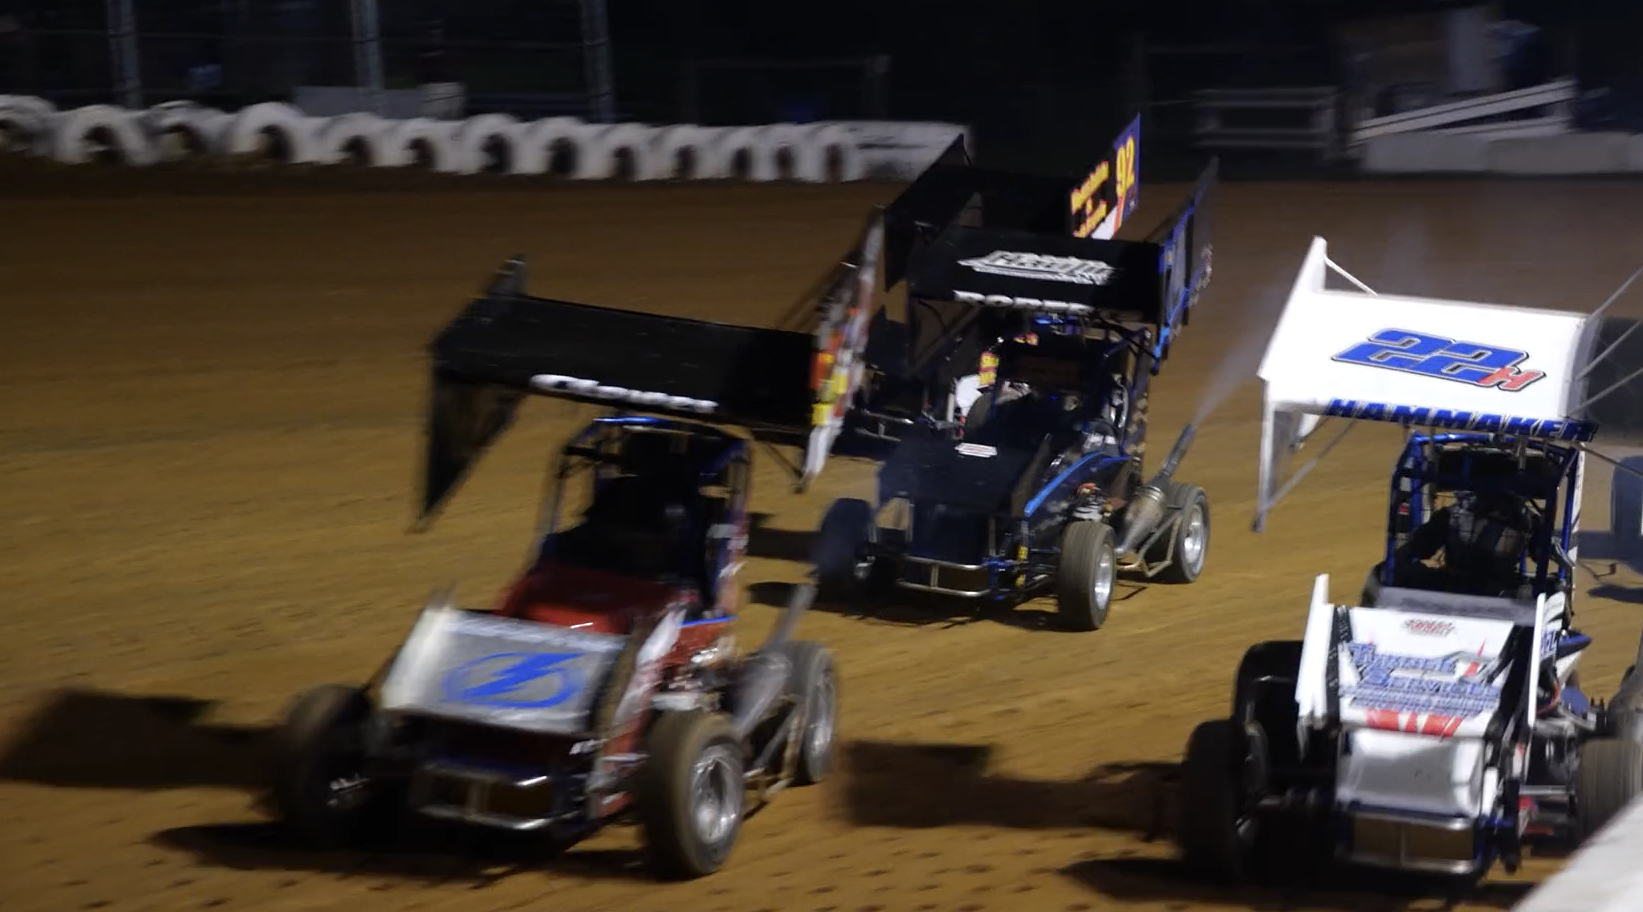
617,152
272,130
489,143
25,123
183,129
354,139
687,152
424,142
563,147
101,133
553,145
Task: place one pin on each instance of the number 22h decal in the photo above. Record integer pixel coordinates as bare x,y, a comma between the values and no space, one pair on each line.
1445,359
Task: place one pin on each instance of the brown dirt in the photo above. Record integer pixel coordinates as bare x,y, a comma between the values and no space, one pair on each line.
212,427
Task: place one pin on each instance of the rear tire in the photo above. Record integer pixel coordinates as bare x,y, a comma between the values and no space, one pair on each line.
1610,776
692,793
1189,543
320,789
815,683
1086,575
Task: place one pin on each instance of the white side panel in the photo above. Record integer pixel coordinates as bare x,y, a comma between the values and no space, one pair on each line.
1395,770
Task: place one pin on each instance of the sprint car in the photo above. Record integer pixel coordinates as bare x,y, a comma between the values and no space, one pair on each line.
1034,483
1437,726
606,685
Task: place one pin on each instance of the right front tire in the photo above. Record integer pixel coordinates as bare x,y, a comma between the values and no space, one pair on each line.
692,793
1610,776
1086,575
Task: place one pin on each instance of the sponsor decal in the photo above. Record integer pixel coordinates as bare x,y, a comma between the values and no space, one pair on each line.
1043,267
1568,429
1444,359
1429,627
1037,304
593,389
1428,695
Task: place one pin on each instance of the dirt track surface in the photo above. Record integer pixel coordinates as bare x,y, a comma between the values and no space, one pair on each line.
211,433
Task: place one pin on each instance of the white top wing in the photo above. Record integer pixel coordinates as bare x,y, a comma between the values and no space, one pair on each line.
1445,365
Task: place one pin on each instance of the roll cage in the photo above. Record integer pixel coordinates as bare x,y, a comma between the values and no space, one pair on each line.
699,467
1545,475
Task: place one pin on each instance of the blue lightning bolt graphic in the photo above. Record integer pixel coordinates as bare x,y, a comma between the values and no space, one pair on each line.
524,668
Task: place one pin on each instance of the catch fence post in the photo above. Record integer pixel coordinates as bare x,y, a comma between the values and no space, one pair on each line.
122,46
368,53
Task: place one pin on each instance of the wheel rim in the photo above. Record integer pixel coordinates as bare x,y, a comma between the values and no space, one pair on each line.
716,794
1101,580
1194,537
819,738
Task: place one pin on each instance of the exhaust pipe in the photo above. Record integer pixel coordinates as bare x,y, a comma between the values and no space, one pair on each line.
1147,508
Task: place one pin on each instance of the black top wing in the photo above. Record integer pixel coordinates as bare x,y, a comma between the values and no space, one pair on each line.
1046,273
953,192
783,385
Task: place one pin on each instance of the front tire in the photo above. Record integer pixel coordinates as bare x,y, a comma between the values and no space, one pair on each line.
1086,576
692,793
1189,543
320,789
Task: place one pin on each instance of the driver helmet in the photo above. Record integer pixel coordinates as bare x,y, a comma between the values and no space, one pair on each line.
1489,528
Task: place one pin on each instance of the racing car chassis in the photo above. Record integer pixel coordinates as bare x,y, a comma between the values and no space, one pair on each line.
346,768
1161,532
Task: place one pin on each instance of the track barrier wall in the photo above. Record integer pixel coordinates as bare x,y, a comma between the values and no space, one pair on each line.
826,152
1471,136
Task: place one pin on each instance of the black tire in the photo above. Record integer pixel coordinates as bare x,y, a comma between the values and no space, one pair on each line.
1610,776
1626,510
976,415
1191,537
847,529
1212,803
815,682
668,794
322,742
1085,578
1274,658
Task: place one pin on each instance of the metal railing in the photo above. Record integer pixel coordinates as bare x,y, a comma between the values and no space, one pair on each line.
1269,120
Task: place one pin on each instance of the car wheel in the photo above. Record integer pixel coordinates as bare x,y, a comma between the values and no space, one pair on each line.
843,562
1189,544
1219,833
1610,776
692,793
1087,574
320,787
815,682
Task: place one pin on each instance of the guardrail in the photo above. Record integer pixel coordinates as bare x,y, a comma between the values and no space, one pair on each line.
1559,95
1313,110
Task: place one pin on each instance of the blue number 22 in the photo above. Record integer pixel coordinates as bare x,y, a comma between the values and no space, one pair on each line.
1435,356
